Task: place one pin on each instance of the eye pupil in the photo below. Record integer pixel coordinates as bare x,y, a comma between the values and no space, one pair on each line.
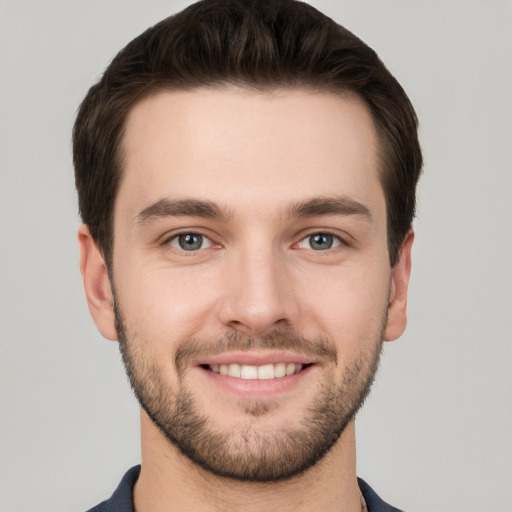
321,241
190,241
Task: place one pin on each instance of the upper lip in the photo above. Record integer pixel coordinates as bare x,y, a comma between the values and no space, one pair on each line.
255,358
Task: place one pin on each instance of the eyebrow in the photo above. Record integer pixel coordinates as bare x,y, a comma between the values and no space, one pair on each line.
182,207
313,207
328,205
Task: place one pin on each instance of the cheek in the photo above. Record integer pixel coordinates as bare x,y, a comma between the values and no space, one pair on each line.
164,305
348,304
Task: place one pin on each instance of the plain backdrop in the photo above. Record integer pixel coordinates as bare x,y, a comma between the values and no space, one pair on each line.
436,433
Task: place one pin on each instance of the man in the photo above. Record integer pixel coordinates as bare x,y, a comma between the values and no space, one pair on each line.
246,173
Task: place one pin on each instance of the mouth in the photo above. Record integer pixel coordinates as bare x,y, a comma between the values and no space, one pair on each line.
257,374
262,372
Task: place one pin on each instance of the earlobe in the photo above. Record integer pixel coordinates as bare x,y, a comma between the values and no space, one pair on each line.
96,284
397,305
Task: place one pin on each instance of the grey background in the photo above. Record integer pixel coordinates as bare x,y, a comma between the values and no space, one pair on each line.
435,434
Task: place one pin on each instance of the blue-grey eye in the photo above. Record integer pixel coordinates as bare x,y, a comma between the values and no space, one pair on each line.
320,242
190,242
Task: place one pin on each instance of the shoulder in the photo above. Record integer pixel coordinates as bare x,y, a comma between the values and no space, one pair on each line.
121,500
373,501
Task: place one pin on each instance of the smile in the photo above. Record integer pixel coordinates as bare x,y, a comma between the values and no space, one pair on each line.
263,372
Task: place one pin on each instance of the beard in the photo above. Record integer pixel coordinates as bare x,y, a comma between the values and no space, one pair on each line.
254,453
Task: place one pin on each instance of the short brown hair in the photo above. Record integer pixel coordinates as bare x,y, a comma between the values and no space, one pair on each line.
261,44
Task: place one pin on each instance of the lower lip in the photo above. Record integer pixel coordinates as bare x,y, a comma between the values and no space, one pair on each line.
256,387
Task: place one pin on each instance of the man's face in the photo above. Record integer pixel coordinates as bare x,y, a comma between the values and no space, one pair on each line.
250,239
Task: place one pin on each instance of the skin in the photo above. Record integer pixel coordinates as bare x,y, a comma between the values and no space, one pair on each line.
255,155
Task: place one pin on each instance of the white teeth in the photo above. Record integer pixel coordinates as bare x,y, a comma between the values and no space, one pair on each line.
264,372
249,372
290,369
234,370
280,369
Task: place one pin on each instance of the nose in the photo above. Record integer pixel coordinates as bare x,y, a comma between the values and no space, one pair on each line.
258,295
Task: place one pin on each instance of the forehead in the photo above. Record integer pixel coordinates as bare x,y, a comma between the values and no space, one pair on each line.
243,146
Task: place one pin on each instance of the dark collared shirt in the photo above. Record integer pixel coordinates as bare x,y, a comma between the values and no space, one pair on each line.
121,500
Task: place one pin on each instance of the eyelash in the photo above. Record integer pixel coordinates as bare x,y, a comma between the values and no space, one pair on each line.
338,241
175,237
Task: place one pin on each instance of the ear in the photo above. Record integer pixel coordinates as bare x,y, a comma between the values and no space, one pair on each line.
397,314
96,284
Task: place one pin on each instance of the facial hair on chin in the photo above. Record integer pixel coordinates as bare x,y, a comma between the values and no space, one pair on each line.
252,455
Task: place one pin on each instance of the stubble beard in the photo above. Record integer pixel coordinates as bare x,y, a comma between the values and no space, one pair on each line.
254,454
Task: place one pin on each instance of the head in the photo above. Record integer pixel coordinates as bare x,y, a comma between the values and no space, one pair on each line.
246,172
261,45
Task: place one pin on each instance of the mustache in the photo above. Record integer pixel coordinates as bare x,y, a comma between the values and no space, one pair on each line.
318,348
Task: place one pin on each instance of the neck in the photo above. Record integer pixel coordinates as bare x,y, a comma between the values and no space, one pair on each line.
170,481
